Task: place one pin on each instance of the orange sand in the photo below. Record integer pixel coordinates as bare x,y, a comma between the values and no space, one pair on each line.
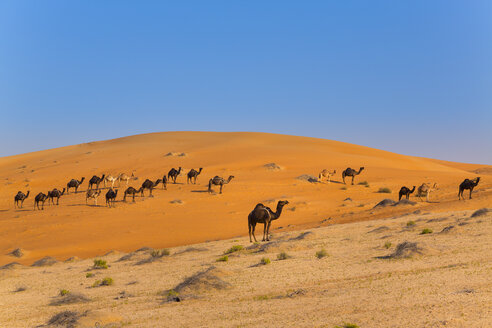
74,229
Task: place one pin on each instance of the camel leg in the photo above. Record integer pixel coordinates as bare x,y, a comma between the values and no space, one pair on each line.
249,232
221,188
343,177
471,192
268,231
253,232
134,197
353,179
264,231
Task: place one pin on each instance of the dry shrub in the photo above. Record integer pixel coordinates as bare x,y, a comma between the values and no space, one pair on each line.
202,282
405,250
45,261
70,298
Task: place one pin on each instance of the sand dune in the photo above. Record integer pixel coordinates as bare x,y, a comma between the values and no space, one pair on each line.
187,214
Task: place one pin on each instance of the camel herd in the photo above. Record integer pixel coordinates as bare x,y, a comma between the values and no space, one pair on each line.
94,191
260,214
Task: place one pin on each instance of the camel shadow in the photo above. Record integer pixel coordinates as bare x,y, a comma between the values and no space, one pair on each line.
199,191
332,181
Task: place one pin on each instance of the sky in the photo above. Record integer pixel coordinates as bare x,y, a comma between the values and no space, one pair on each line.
412,77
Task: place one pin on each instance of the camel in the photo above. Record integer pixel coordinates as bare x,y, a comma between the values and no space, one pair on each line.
326,174
126,178
468,184
425,189
193,174
173,174
95,180
74,183
149,185
404,191
131,191
111,197
40,198
110,179
19,198
351,173
164,182
218,181
263,214
94,194
55,193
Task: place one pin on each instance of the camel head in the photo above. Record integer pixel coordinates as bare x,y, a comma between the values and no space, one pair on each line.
103,176
158,181
27,195
435,186
63,191
200,170
361,169
477,180
230,178
282,203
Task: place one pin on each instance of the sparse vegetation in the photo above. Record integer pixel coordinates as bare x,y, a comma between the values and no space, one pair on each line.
384,190
283,256
89,275
348,325
64,292
265,261
426,231
20,289
321,253
224,258
108,281
156,253
364,183
387,245
100,264
410,223
233,249
343,188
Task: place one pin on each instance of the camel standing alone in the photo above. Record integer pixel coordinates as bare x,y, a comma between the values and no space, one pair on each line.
173,174
94,194
74,183
425,189
19,198
192,175
468,184
95,180
263,214
40,198
351,173
404,191
325,174
218,181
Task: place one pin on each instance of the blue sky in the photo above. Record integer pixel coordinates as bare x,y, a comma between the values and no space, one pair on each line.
414,77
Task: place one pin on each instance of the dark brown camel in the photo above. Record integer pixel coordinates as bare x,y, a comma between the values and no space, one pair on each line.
468,184
404,191
40,198
131,191
111,197
95,180
192,175
263,214
74,183
19,198
218,181
351,173
55,193
164,182
149,185
173,174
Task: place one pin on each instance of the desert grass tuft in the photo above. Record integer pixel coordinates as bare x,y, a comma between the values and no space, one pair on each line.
265,261
283,256
224,258
426,231
100,264
321,253
384,191
233,249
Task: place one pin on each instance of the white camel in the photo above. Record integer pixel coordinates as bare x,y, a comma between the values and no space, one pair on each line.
426,189
325,174
125,177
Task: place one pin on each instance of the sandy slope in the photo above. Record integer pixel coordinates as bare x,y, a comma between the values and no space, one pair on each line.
446,285
76,229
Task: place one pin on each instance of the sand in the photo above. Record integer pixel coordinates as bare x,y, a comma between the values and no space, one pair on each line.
186,214
443,282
